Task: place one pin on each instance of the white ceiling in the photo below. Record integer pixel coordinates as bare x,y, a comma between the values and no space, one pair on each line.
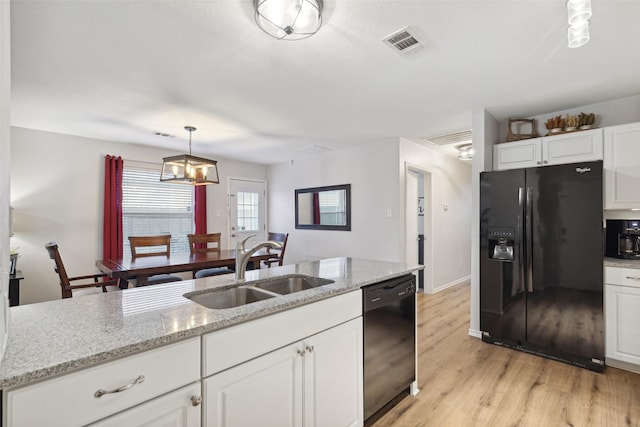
122,70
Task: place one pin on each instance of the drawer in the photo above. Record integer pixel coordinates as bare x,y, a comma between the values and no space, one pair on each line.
69,400
622,276
236,344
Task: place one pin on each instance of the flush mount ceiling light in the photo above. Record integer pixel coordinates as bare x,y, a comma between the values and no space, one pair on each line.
188,169
465,151
579,12
289,19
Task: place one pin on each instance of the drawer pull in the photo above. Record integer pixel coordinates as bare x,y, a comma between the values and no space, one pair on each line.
102,392
310,348
196,400
633,278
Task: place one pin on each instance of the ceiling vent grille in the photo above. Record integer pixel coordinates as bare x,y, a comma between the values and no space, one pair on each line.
451,138
402,41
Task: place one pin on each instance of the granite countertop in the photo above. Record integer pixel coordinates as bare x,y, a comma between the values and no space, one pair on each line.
58,337
621,263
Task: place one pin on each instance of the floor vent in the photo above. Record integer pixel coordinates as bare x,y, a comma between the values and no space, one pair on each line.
402,41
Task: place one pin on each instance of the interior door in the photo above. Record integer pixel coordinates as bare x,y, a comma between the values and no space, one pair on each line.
247,211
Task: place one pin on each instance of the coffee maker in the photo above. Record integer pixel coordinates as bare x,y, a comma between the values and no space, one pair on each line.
623,238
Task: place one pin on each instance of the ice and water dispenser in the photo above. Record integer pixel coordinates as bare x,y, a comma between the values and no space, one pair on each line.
501,242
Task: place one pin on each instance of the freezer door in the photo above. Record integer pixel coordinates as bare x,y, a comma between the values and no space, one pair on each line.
564,303
502,292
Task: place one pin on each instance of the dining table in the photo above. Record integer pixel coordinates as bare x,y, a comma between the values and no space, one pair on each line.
140,268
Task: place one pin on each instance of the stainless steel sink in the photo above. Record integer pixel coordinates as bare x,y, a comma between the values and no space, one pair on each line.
288,284
229,298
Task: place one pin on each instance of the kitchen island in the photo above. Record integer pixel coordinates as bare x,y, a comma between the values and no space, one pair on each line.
58,340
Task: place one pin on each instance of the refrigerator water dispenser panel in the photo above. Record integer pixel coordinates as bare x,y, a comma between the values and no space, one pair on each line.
501,243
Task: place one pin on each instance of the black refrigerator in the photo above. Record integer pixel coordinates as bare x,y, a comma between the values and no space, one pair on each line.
541,261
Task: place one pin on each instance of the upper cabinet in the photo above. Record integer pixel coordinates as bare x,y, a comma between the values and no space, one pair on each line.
549,150
622,166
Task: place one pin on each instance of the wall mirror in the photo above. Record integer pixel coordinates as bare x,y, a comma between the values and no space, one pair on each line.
324,208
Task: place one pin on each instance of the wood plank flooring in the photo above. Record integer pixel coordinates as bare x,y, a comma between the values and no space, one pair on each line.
465,382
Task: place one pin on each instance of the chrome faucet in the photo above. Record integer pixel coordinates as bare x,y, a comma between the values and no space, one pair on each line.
243,256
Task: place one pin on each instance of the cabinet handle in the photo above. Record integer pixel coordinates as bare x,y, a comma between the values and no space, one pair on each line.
310,348
301,352
538,163
545,162
101,392
633,278
196,400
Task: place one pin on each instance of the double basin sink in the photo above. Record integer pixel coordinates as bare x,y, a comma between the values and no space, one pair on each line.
254,291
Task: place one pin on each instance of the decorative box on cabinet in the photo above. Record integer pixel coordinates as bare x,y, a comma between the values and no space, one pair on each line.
550,150
622,166
622,317
70,400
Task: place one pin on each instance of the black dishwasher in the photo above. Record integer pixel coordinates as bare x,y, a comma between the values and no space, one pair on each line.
389,341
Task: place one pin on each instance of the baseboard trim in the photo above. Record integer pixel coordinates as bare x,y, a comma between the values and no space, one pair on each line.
474,333
622,365
450,284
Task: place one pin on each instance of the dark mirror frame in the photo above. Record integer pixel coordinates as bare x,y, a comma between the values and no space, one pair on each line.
346,227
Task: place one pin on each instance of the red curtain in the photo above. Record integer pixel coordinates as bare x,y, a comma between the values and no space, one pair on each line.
316,208
112,227
200,209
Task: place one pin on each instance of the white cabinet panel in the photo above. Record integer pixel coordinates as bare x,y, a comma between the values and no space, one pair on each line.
333,377
318,378
519,154
266,391
622,320
622,166
70,399
572,147
180,408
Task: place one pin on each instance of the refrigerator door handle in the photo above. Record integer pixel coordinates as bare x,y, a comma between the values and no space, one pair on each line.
520,238
528,232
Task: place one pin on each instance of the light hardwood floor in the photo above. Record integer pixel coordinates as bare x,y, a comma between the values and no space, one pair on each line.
465,382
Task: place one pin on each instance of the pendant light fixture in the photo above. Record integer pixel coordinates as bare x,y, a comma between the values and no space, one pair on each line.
188,169
579,13
289,19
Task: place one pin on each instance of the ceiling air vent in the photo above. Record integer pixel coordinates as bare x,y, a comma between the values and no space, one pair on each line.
402,41
451,138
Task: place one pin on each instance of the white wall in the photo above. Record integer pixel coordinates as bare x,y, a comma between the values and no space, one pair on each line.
57,193
451,226
376,175
5,155
371,170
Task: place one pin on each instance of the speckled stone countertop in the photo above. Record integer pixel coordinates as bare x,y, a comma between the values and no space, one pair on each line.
58,337
621,263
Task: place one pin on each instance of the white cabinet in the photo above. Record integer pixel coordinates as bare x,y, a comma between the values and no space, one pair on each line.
622,166
313,382
180,408
622,317
71,400
550,150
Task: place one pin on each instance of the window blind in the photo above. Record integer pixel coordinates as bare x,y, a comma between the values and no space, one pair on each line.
151,207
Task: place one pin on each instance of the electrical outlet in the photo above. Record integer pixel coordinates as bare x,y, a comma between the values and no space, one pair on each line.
389,215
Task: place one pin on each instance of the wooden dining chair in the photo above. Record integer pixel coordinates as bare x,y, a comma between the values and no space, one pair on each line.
144,246
278,255
201,243
68,289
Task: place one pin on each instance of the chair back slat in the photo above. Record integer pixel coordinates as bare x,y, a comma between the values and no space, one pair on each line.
199,243
54,254
279,256
161,243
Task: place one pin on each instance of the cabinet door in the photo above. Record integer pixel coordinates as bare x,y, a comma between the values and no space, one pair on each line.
180,408
266,391
519,154
622,166
333,377
572,147
622,317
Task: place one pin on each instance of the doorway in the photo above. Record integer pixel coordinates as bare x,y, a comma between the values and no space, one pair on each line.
418,233
247,211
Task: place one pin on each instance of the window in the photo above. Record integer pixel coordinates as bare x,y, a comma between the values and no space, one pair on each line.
248,211
151,207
